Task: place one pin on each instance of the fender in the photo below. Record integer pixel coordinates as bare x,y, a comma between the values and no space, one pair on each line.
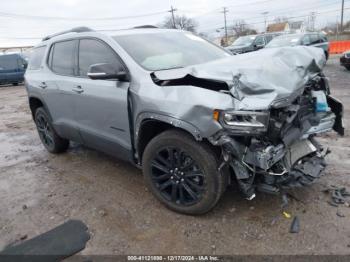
178,123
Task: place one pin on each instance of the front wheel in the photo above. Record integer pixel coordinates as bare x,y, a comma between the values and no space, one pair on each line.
182,173
48,136
347,67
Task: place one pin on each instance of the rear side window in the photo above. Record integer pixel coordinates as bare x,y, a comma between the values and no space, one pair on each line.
314,39
62,58
36,58
323,38
259,40
95,52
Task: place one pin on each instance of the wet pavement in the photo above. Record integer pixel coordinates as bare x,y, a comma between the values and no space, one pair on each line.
39,191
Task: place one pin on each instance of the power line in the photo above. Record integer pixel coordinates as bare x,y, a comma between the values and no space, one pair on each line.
273,13
22,16
291,17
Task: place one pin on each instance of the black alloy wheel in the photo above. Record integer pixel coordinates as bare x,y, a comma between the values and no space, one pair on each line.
183,173
177,176
48,136
44,130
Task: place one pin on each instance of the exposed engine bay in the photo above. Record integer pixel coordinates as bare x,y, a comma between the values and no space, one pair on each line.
283,152
268,108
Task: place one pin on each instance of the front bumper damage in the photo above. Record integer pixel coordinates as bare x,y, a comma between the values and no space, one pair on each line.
286,156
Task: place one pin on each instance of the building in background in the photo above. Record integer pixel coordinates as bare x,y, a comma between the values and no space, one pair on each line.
297,27
278,27
287,27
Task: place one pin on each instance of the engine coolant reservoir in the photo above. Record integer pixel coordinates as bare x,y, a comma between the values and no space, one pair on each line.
321,101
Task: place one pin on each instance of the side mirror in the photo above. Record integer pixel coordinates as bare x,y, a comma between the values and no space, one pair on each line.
24,66
106,71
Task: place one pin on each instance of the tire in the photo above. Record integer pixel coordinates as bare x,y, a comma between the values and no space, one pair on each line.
15,84
194,173
347,67
48,136
326,55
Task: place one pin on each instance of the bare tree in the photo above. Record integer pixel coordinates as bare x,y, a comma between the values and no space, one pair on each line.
181,22
240,28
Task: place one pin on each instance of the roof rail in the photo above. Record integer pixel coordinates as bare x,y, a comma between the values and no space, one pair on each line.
73,30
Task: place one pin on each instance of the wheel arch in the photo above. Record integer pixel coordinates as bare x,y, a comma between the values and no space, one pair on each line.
149,125
36,102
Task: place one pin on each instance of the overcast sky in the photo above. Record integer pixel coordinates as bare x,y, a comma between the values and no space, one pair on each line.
22,19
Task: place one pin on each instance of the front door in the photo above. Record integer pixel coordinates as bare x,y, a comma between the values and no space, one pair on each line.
102,105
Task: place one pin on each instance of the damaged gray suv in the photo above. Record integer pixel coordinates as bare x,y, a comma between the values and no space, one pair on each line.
193,117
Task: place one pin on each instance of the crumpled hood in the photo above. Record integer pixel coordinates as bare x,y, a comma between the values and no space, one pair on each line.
259,79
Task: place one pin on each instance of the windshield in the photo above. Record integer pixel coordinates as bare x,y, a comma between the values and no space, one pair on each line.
167,50
284,40
244,40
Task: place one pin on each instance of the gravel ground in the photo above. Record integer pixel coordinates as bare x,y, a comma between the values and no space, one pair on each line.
39,191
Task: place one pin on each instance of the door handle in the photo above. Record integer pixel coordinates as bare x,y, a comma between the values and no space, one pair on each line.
78,89
43,85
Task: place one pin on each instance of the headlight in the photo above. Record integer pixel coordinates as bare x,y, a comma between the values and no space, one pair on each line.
245,121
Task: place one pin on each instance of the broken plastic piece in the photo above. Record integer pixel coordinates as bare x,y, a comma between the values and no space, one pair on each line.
295,226
286,214
251,197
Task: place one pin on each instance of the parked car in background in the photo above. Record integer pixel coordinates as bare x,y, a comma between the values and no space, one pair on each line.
12,69
308,39
192,116
345,60
250,43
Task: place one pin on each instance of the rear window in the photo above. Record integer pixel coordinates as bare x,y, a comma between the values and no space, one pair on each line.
62,57
36,57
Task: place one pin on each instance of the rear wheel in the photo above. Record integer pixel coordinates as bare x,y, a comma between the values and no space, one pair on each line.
182,173
48,136
347,67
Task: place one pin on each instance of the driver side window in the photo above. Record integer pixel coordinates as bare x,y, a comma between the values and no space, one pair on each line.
92,52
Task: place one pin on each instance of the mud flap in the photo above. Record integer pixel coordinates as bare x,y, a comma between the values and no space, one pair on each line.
337,109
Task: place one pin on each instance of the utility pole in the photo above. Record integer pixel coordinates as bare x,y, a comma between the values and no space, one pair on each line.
312,21
172,10
265,16
224,12
342,16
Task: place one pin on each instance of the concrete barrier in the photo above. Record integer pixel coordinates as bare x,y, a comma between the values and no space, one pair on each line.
338,47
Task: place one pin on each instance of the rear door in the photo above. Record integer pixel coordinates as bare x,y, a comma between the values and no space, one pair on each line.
60,87
102,105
